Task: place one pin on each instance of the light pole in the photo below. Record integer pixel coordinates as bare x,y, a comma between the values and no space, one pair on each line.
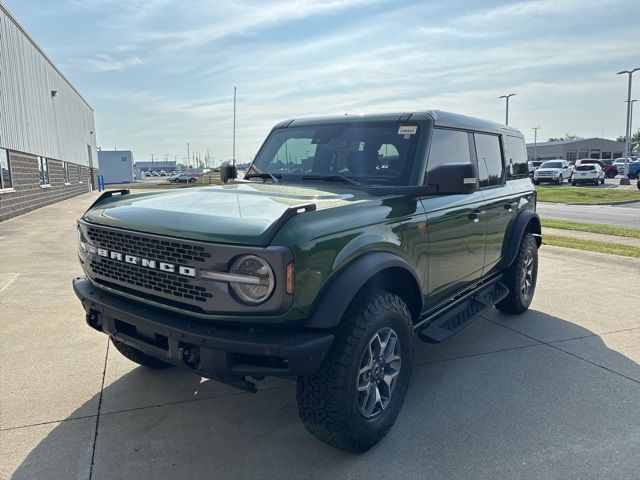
631,124
188,157
625,179
535,141
506,97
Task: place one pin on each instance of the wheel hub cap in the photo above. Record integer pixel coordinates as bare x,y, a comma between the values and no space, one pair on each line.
378,373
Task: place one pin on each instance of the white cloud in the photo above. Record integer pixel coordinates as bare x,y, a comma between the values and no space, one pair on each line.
107,63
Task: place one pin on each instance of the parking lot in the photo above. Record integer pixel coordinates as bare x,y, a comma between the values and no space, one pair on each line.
551,394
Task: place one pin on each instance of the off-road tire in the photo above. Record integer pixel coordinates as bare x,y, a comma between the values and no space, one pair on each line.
327,398
516,301
139,357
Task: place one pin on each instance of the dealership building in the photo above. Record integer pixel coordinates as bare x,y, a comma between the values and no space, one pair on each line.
572,150
47,130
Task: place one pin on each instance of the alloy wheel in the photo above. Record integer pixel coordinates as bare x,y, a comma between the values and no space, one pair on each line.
527,274
378,372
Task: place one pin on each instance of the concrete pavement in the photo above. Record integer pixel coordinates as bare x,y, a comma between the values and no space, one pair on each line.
551,394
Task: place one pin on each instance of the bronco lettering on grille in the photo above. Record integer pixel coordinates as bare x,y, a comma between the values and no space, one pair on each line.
148,263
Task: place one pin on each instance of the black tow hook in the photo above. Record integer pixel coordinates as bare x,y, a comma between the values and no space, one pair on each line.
190,354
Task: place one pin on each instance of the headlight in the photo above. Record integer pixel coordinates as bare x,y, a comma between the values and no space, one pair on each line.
258,281
83,243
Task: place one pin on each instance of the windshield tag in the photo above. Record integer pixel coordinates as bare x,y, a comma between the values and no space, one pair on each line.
407,130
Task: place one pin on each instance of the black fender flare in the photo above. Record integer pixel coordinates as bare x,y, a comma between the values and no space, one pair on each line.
336,296
526,220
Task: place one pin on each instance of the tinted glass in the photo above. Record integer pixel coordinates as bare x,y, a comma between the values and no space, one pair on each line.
5,170
448,146
585,168
516,155
490,169
377,153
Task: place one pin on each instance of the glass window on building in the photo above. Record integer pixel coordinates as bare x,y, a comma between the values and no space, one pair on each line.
595,153
583,154
79,174
571,156
5,170
43,170
490,166
606,155
65,171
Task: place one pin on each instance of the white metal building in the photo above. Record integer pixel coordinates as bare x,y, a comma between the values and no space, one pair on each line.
116,166
571,150
47,130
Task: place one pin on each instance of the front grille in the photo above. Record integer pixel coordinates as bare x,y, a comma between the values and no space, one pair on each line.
134,244
161,283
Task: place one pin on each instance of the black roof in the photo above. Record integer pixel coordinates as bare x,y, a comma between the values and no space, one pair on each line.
439,118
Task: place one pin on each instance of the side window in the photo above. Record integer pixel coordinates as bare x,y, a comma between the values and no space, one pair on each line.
294,156
5,170
448,146
490,168
516,156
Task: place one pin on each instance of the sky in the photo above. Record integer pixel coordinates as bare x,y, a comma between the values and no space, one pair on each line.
161,73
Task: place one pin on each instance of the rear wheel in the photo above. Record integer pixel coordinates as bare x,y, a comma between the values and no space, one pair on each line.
520,278
139,357
355,396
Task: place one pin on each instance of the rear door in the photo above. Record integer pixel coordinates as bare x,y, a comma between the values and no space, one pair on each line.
455,223
499,201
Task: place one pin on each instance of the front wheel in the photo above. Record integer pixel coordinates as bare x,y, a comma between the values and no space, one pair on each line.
536,182
355,396
560,180
520,278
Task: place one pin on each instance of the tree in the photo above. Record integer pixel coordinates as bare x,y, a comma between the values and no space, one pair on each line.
567,136
635,142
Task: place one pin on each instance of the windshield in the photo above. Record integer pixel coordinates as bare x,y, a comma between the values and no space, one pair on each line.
551,165
376,153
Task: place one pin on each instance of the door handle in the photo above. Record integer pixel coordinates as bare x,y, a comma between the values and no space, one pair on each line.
475,215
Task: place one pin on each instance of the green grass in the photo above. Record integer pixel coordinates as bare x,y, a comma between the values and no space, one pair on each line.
593,228
585,195
591,245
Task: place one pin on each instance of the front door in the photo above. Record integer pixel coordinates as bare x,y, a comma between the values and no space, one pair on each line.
455,223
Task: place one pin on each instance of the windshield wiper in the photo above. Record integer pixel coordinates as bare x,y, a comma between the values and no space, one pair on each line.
332,178
264,176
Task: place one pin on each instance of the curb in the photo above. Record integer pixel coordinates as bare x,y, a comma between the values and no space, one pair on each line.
622,202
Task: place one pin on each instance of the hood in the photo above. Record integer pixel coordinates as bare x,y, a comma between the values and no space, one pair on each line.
240,213
552,170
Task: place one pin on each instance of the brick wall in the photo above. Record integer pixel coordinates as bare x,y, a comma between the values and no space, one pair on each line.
29,195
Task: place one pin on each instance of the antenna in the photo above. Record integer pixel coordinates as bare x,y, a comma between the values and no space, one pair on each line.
234,127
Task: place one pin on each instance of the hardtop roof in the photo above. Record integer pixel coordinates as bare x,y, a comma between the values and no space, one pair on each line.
438,117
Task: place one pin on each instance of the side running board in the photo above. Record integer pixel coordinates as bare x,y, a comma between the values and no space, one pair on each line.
453,320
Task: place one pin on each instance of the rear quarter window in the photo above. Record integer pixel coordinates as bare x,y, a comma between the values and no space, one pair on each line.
516,154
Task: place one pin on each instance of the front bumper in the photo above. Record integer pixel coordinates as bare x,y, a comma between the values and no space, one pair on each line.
223,354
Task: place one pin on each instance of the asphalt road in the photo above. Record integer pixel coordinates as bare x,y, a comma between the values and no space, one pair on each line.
550,394
627,215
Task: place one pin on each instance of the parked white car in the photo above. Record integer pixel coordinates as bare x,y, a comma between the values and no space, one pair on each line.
619,164
556,171
588,173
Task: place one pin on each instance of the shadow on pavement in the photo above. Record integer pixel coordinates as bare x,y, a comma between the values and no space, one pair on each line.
532,411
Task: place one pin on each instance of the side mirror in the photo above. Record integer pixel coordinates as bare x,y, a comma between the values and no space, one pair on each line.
453,178
227,172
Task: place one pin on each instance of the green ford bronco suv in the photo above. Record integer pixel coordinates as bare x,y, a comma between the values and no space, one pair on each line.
348,238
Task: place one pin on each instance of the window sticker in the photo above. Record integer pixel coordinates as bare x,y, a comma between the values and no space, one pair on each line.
407,129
